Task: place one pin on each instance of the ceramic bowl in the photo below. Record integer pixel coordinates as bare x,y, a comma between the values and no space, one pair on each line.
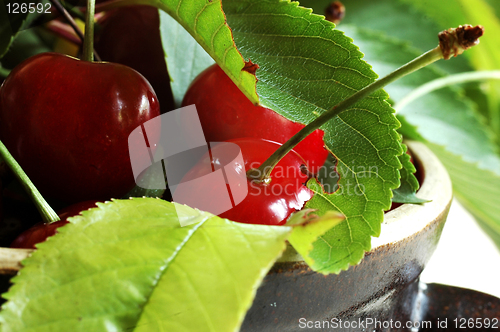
384,285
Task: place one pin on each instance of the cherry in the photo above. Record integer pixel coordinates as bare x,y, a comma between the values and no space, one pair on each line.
130,35
226,113
266,203
67,123
41,231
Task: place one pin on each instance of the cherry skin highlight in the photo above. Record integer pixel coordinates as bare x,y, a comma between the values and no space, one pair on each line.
226,113
268,204
41,231
67,123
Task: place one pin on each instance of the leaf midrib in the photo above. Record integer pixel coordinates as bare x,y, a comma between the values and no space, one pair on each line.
168,262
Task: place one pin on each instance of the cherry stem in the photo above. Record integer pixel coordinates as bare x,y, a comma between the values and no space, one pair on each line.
72,23
48,214
88,42
451,42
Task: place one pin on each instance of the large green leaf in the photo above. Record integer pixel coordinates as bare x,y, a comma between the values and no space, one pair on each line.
129,266
184,56
307,67
477,189
495,4
444,117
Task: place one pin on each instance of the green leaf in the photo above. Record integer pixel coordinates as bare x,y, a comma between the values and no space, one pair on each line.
185,57
343,241
477,189
11,22
495,5
307,67
26,44
444,117
8,30
408,130
406,193
205,21
308,228
129,266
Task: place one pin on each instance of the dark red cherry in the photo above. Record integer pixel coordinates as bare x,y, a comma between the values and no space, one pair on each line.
67,123
130,35
225,113
269,204
41,231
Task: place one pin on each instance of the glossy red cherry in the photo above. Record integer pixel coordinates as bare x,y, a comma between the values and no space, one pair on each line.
269,204
130,35
41,231
67,123
225,113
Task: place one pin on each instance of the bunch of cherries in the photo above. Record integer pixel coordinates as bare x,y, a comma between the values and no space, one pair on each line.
66,122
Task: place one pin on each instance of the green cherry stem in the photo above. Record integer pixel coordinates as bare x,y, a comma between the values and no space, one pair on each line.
48,214
451,42
72,23
88,42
